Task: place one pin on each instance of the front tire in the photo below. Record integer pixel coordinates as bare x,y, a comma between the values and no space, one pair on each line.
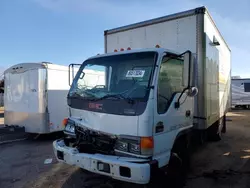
179,164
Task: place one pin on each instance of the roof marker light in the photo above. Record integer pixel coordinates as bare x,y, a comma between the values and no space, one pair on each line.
128,48
157,46
122,49
115,50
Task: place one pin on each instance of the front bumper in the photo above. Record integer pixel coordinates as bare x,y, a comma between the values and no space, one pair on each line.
120,168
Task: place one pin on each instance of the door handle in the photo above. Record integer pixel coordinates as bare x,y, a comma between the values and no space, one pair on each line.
159,127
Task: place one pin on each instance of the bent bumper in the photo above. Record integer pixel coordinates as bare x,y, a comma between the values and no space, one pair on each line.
113,166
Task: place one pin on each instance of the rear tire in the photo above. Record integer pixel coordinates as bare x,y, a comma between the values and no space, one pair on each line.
217,134
224,127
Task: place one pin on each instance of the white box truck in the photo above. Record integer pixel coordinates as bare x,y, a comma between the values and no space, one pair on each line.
240,92
166,80
35,96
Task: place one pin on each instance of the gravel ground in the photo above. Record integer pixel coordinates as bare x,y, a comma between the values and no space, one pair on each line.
221,164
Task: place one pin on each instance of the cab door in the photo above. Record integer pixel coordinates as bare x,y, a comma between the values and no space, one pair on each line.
168,120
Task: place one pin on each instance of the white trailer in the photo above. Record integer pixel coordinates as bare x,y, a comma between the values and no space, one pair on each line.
166,79
241,92
35,96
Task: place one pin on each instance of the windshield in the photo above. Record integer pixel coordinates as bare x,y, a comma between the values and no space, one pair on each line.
118,77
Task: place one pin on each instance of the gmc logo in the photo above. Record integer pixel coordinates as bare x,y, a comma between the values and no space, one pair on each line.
95,106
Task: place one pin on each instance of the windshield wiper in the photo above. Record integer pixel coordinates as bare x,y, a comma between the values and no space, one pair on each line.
76,94
118,96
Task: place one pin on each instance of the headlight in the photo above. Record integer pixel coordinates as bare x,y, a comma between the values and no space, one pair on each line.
134,148
122,145
70,128
135,145
126,145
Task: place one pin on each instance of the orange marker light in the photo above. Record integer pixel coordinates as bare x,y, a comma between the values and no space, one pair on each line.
128,48
122,49
147,142
65,121
147,146
115,50
157,46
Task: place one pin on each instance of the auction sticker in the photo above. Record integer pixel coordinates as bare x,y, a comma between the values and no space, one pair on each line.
135,73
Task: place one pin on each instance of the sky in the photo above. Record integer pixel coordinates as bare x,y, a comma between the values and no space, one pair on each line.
69,31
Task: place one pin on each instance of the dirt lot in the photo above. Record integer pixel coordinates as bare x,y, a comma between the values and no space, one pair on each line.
222,164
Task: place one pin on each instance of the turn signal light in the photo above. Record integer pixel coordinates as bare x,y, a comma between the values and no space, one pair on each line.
65,121
147,142
147,146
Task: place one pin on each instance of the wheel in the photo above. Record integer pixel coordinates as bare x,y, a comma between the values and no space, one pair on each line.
224,125
217,133
179,164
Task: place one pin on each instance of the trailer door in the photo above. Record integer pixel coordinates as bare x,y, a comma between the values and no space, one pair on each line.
24,91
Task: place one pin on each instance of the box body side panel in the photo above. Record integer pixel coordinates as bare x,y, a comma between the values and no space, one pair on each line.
217,73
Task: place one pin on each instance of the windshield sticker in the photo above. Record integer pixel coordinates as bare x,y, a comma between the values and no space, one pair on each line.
135,73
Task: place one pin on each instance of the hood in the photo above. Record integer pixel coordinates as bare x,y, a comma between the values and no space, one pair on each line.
106,123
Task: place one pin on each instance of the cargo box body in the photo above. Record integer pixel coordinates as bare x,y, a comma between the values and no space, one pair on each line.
192,30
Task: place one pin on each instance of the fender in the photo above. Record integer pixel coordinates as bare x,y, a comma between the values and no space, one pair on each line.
184,134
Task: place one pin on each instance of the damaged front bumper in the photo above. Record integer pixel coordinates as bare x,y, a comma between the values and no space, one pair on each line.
126,169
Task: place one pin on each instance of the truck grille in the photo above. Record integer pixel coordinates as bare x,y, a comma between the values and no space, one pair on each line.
89,141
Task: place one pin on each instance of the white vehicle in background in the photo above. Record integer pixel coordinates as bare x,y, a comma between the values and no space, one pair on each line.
241,92
35,96
166,79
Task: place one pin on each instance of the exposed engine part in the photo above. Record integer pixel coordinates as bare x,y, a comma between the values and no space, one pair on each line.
94,142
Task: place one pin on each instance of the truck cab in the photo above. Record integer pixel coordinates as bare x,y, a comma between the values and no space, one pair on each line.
126,120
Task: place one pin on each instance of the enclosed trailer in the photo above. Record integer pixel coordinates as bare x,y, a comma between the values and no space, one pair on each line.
241,92
35,96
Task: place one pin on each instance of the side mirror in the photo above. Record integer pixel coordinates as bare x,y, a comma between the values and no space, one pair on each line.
187,77
72,72
192,92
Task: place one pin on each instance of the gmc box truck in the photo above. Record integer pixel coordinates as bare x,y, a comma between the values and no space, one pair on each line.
166,80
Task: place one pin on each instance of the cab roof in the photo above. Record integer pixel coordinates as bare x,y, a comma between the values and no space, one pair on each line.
158,50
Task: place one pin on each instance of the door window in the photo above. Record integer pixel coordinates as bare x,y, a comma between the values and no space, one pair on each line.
169,82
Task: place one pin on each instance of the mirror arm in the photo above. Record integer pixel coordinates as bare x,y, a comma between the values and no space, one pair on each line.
177,103
189,69
72,65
